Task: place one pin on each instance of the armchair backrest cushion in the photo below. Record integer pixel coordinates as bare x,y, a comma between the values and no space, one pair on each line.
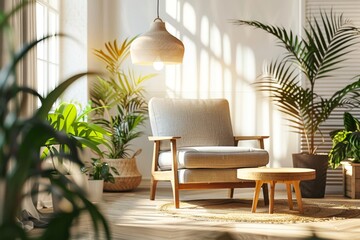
199,122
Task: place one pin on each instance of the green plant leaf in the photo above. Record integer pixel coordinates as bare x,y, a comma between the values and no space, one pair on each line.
351,123
120,97
326,44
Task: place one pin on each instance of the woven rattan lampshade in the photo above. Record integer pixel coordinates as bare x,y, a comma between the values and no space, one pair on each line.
157,45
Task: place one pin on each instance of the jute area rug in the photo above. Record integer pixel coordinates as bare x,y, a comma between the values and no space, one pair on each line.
238,210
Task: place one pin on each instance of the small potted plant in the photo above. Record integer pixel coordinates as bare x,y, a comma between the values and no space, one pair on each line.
98,172
346,152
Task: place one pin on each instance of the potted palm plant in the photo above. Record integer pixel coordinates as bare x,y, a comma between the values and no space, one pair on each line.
346,152
21,140
121,110
315,57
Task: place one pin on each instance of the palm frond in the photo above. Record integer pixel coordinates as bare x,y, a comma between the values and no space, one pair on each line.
114,56
122,96
331,46
328,40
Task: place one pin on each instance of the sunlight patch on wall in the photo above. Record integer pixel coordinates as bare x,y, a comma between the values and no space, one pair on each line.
172,8
245,63
226,49
239,61
278,135
204,74
248,109
189,18
228,86
173,73
204,31
173,80
245,94
265,111
250,70
210,69
189,86
216,80
215,40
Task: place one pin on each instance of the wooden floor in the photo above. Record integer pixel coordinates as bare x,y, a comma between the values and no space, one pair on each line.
133,216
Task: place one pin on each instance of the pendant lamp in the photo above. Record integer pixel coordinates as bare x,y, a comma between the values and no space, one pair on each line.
157,46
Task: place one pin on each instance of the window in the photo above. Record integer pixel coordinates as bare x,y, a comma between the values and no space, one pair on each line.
47,23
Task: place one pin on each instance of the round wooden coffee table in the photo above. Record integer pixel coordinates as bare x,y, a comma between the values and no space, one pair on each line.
277,175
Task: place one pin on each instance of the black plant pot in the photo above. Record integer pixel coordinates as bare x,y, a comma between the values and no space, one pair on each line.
312,188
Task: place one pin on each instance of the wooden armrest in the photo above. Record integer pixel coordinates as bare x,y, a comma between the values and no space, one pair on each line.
260,139
162,138
156,140
240,138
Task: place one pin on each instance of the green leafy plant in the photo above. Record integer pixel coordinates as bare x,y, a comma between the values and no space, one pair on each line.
66,118
21,139
99,170
119,98
346,142
314,58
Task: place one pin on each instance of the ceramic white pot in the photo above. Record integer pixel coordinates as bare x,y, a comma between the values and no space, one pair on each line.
129,176
95,190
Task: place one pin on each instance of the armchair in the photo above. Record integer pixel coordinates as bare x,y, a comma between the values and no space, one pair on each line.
194,147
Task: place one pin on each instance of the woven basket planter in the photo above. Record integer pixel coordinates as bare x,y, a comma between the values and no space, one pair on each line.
129,176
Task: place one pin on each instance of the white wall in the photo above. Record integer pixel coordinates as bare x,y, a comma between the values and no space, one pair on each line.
73,49
221,59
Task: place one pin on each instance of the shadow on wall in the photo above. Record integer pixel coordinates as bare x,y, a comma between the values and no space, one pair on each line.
222,61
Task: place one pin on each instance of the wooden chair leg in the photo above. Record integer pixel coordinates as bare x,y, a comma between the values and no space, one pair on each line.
175,177
266,194
176,195
231,193
153,185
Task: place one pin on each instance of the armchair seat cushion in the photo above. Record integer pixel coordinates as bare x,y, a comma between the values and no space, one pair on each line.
209,175
215,157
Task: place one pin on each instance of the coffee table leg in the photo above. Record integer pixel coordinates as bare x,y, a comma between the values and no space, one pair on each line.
272,196
256,195
289,195
298,195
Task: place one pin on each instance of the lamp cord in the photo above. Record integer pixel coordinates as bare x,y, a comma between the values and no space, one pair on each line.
158,8
158,17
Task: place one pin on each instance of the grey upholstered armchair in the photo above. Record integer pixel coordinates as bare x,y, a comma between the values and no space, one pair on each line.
194,146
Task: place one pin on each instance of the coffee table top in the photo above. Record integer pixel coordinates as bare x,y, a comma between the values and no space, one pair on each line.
276,174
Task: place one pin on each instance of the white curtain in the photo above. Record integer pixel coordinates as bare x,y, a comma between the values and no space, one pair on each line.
23,27
23,31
